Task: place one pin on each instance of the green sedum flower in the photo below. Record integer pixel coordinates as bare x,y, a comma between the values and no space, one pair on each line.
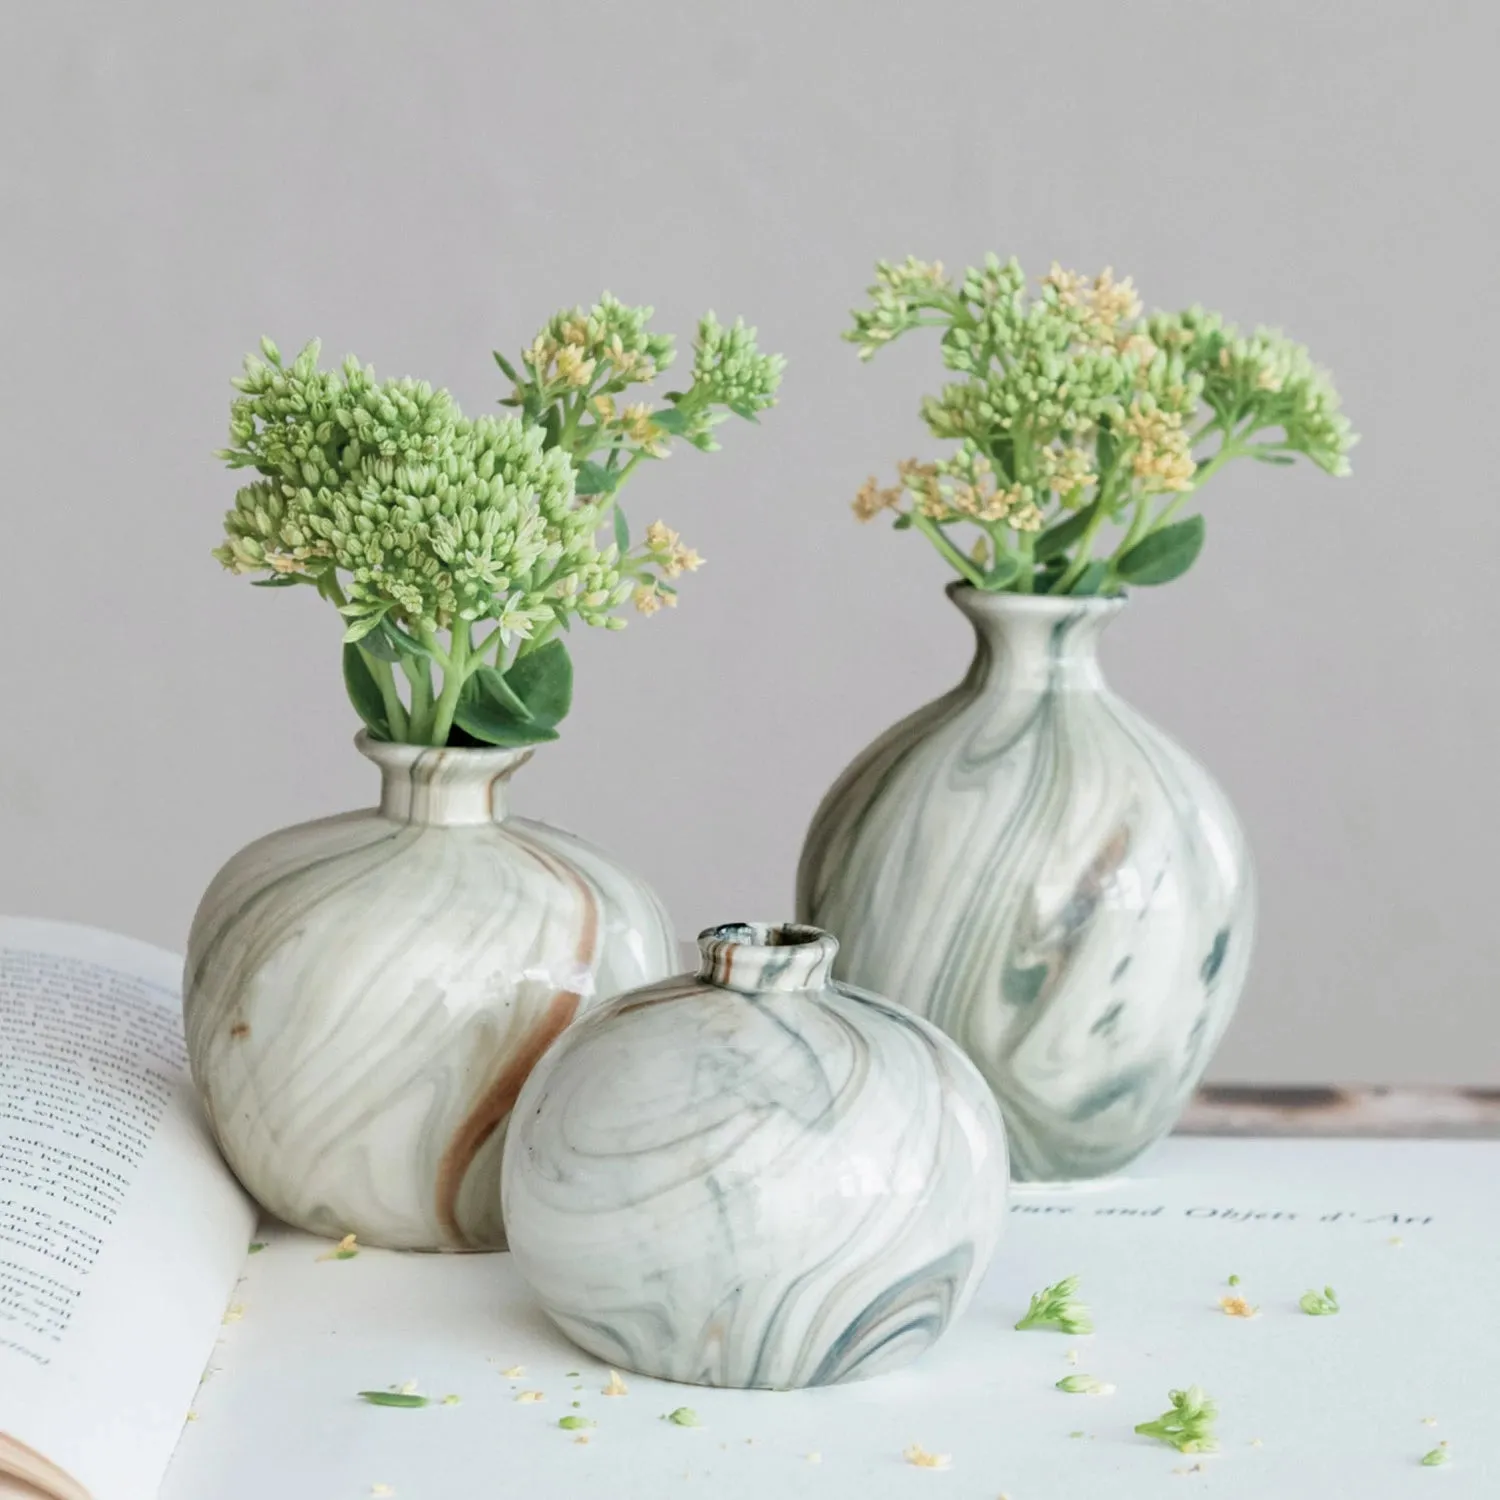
457,548
1080,422
422,516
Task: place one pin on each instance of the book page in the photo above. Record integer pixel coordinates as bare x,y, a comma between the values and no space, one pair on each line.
121,1231
1310,1407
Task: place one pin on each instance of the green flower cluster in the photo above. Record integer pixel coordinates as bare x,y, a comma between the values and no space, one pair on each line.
583,360
1074,415
384,494
456,548
567,383
730,371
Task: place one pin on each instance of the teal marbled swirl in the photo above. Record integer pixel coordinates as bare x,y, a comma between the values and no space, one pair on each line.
752,1176
1050,879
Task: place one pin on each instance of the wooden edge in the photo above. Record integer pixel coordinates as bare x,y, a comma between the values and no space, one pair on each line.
1349,1111
26,1475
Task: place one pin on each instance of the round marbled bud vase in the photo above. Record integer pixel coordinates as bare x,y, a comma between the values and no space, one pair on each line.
754,1176
364,995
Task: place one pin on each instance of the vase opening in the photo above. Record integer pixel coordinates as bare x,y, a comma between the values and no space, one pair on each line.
445,785
766,957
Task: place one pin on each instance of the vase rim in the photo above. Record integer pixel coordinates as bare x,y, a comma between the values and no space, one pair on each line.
967,597
396,755
762,957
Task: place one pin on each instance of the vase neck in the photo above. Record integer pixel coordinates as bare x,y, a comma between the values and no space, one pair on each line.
759,959
1025,640
445,787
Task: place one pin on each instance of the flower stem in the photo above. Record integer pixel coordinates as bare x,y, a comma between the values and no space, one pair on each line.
1085,547
385,680
455,674
1026,546
939,539
420,677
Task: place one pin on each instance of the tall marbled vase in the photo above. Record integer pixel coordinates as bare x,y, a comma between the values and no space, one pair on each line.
1049,878
753,1176
365,995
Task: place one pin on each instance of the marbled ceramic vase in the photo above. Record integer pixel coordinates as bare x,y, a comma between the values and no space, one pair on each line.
365,995
1050,879
753,1176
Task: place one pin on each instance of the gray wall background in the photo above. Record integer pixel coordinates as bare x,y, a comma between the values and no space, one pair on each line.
422,183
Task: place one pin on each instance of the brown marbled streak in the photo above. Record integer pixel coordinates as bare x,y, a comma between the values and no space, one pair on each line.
497,1101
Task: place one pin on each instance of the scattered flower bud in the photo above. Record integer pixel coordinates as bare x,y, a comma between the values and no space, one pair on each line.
1237,1307
1056,1307
1084,1385
920,1458
1317,1305
1188,1425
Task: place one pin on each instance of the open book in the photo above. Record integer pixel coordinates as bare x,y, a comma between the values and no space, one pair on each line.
121,1231
123,1245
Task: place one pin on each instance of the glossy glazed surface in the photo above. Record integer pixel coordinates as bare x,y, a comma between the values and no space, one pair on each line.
752,1176
365,995
1049,878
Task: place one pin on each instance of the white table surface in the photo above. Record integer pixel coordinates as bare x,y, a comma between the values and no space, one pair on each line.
1336,1404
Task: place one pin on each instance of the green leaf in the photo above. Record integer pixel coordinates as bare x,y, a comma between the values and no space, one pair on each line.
543,680
1090,580
506,368
1007,568
741,410
1163,555
488,683
672,419
327,584
395,1398
376,644
522,706
359,627
1057,539
594,479
622,531
406,645
1272,458
902,522
484,721
364,693
703,442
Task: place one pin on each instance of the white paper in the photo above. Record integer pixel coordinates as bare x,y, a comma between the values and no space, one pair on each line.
121,1232
1337,1402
